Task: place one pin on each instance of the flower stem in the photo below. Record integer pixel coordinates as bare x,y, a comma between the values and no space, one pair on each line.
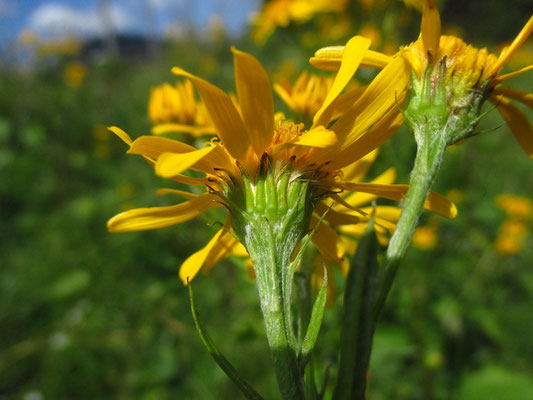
271,266
430,153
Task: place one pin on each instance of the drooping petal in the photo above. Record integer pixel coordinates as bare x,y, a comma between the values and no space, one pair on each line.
502,78
356,199
508,52
218,248
154,146
329,59
357,170
327,241
121,134
140,219
255,98
430,27
181,193
171,164
335,217
352,56
517,122
223,113
435,202
523,97
344,101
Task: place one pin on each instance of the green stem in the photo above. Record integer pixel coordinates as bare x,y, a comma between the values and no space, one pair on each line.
430,152
270,268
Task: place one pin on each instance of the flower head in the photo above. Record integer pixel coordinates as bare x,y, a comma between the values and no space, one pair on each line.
281,13
271,175
175,109
451,79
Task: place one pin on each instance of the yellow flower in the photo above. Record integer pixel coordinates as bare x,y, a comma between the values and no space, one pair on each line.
515,206
511,237
281,13
260,164
175,109
307,94
469,75
425,237
74,73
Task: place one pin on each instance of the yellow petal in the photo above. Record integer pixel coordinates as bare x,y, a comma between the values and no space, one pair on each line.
336,217
344,101
351,58
374,108
327,241
181,193
435,202
517,122
357,170
219,247
182,128
317,137
370,139
502,78
329,59
223,113
357,199
121,134
388,213
188,180
255,98
170,164
430,27
508,52
153,146
285,96
523,97
140,219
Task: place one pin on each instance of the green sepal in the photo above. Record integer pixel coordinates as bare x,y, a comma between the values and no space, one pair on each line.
314,324
357,324
222,361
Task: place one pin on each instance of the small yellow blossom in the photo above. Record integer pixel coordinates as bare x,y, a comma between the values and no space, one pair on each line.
74,73
511,237
515,206
425,237
307,94
175,109
281,13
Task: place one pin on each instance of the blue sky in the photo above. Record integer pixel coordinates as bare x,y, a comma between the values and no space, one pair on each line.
83,17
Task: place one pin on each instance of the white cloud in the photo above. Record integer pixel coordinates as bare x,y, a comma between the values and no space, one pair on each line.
7,9
55,19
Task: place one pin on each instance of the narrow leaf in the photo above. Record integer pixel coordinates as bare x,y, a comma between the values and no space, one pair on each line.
316,321
222,361
357,329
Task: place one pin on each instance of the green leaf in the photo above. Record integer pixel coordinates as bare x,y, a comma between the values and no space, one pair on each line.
314,324
222,361
357,328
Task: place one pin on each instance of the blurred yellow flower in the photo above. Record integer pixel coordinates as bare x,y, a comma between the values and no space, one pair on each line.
307,94
511,237
58,47
425,237
372,32
74,73
281,13
515,206
259,160
175,109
